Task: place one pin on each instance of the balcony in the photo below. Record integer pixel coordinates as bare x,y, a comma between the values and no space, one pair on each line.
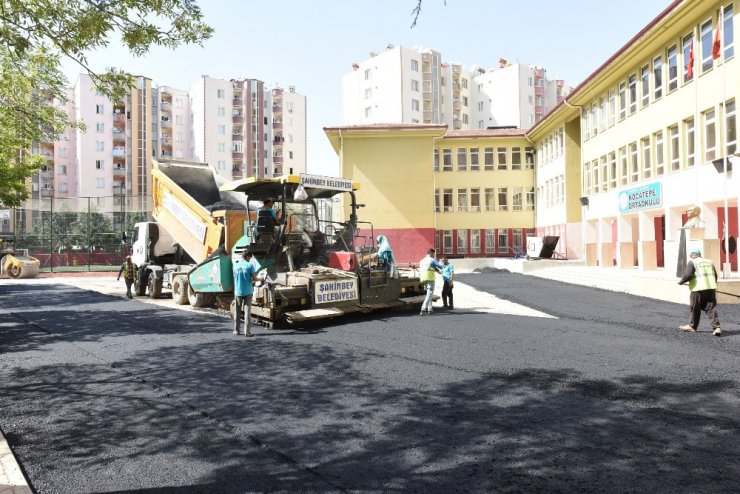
165,123
119,118
237,169
237,155
118,185
237,119
456,104
277,159
46,172
165,155
236,102
166,106
46,192
277,125
277,108
166,140
539,90
457,125
119,171
539,110
119,151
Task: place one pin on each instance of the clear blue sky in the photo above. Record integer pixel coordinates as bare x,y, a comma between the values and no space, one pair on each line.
311,44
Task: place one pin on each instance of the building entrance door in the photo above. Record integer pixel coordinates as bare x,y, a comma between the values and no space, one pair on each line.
659,223
732,223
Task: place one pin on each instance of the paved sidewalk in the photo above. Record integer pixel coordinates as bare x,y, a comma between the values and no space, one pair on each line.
12,480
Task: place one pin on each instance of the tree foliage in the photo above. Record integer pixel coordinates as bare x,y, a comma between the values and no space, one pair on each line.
416,12
36,34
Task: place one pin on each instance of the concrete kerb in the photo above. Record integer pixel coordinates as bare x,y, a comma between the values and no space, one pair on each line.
12,480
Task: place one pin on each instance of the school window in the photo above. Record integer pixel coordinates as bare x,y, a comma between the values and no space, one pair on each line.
474,163
529,205
585,124
447,241
657,77
488,158
705,34
604,175
647,168
99,109
462,199
99,164
503,199
490,238
659,154
529,158
489,195
632,82
475,241
502,159
730,128
462,241
447,160
415,85
645,84
634,163
586,183
728,33
503,240
622,100
612,107
690,142
710,136
613,170
414,105
517,240
672,68
436,200
517,199
594,120
595,171
462,159
414,65
475,200
686,45
436,160
674,148
623,163
603,114
447,200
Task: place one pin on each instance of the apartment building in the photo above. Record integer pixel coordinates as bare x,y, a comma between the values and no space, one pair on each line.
172,131
658,133
403,85
113,154
243,129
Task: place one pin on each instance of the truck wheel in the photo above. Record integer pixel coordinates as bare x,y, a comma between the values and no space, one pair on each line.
139,287
199,299
155,286
180,289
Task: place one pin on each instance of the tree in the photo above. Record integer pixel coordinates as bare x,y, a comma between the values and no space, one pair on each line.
36,34
416,12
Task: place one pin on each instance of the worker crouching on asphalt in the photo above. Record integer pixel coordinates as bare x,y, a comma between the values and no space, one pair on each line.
128,269
702,278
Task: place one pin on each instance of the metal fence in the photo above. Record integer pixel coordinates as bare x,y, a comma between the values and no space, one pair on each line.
76,234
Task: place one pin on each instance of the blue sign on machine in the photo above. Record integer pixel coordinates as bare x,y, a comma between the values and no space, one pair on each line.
643,197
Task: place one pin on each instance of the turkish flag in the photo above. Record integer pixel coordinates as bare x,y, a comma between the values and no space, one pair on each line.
690,65
717,45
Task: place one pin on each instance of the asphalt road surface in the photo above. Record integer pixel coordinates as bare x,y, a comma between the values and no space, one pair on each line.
102,394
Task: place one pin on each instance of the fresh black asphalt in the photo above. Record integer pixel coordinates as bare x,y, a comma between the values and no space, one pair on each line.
102,394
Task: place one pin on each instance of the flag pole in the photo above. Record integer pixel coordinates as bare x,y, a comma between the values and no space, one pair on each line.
727,265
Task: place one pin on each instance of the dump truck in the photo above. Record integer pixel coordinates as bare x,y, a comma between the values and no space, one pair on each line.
194,222
16,263
314,267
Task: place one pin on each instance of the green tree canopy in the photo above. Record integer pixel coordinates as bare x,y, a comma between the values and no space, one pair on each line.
36,34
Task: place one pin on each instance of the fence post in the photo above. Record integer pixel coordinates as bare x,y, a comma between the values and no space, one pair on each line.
51,234
89,238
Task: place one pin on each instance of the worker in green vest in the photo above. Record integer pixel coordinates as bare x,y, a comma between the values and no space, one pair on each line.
702,278
428,269
128,269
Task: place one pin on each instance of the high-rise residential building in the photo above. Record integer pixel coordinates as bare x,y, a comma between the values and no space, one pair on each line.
242,129
172,132
113,154
404,85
